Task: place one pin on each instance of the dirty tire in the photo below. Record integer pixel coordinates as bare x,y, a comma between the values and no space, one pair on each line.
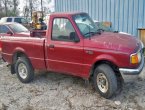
105,81
24,70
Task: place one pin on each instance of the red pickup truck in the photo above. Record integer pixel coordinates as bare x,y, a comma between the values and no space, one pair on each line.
73,45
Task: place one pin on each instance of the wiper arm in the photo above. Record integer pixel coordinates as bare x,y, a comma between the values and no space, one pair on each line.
92,33
99,31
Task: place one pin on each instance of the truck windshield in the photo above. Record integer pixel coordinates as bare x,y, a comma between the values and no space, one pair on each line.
85,24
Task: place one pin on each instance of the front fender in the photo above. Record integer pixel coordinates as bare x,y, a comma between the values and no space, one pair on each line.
105,57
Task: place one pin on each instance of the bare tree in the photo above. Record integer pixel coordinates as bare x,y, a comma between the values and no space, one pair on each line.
35,5
8,8
5,3
15,4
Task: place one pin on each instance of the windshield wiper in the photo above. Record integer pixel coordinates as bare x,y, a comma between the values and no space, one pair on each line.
92,33
99,31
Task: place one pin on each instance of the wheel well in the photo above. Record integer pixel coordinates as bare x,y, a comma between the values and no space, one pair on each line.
112,65
17,55
14,59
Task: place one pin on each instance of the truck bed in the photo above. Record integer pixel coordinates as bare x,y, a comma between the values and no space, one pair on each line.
33,47
38,33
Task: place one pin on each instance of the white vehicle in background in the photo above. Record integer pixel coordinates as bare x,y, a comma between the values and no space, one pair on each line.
20,20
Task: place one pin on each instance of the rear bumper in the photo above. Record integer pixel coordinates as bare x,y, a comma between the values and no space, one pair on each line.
128,73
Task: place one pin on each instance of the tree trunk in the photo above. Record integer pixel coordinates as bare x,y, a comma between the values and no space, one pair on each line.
30,4
15,6
42,8
6,8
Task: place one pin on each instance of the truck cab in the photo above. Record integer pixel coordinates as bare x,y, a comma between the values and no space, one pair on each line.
73,45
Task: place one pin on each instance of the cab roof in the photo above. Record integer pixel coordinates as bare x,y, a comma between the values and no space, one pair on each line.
65,13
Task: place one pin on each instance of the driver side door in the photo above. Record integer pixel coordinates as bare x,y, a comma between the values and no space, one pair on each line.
63,54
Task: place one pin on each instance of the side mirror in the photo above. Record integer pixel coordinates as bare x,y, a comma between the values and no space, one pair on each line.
10,33
74,37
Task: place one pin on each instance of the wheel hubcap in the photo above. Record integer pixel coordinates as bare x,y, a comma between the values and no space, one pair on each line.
22,70
102,82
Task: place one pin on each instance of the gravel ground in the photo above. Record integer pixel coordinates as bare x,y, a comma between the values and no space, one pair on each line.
51,91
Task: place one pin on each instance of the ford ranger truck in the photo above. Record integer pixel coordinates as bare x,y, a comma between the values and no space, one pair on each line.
73,45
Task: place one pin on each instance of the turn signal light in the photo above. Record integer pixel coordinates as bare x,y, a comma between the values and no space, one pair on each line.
135,58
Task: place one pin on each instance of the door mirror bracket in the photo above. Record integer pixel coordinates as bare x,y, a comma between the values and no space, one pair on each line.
10,33
74,37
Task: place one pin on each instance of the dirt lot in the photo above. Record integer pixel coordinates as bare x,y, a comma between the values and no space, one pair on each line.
51,91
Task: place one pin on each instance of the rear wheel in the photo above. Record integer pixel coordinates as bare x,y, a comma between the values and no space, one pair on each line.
105,81
24,70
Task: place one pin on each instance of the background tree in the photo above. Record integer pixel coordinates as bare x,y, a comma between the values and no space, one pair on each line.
9,8
15,4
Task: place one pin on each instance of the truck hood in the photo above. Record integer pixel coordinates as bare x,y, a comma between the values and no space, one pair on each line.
113,41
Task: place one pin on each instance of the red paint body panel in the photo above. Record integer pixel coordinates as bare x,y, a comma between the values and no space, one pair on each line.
33,48
71,57
0,46
112,47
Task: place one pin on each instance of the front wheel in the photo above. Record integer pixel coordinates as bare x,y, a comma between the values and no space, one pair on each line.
24,70
105,81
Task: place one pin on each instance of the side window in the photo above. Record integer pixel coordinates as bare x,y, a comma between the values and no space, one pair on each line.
3,29
62,29
9,19
24,20
18,20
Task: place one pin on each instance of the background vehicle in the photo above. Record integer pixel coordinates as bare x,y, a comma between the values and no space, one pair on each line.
77,49
20,20
17,30
107,26
13,29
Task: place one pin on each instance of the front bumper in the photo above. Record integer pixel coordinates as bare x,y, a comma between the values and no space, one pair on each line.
128,73
132,71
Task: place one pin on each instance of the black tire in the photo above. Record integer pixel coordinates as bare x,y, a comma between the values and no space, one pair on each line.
24,70
110,81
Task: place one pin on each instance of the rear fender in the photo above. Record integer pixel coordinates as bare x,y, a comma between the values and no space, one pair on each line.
17,53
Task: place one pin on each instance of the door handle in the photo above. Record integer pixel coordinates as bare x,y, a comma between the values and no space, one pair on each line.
51,46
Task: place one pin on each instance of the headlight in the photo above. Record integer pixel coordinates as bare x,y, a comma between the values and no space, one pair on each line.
135,58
